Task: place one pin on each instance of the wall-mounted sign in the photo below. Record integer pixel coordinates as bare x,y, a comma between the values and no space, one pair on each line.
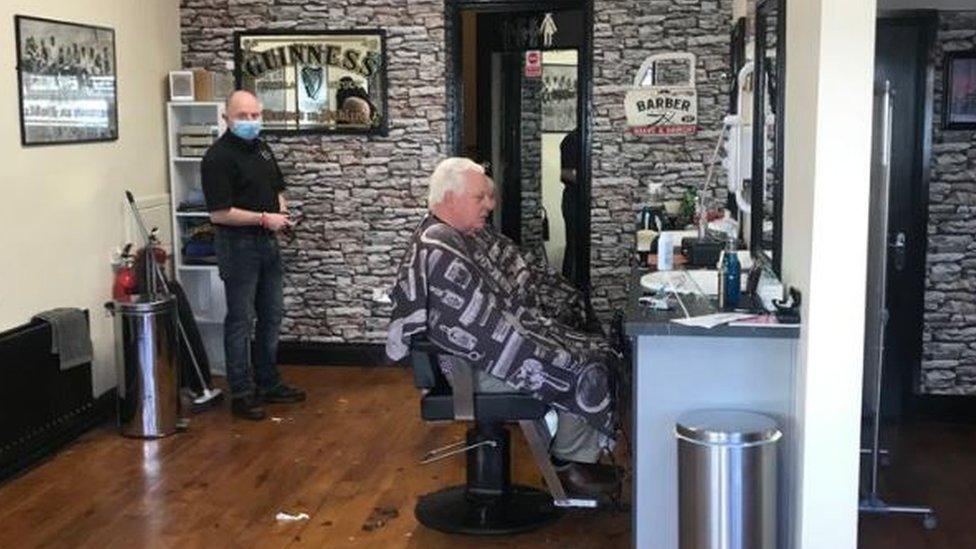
316,81
533,64
66,75
662,101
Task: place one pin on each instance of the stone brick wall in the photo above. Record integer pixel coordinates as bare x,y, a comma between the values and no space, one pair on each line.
359,198
949,348
625,33
531,169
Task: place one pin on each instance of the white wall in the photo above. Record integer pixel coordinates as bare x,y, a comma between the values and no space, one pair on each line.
62,205
552,198
830,68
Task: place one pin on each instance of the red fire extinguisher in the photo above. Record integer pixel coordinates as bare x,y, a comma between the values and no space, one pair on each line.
125,277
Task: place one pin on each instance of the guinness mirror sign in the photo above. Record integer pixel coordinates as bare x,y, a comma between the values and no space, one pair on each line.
315,81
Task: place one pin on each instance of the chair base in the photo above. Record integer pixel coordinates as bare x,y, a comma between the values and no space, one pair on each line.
453,511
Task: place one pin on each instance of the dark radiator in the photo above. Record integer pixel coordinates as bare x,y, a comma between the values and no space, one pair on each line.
41,407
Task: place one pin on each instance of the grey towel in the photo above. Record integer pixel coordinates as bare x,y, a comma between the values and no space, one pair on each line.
70,339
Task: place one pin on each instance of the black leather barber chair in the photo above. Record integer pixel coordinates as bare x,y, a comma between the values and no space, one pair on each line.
488,503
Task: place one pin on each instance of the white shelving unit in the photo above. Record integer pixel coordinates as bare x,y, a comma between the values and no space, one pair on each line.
201,282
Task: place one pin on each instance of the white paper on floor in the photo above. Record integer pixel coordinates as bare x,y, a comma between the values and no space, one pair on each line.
288,517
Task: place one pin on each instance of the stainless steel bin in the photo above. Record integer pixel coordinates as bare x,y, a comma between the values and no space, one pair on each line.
146,364
727,480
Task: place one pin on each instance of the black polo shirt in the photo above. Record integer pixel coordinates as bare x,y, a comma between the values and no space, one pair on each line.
241,174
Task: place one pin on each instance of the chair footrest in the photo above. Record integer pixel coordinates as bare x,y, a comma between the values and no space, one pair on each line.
490,407
576,502
453,448
456,511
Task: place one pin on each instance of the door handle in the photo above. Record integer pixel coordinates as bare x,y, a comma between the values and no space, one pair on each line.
898,251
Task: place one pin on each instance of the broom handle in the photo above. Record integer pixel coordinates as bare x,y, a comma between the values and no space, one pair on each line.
158,274
154,271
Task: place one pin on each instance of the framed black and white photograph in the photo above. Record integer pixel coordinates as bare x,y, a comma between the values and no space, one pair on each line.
315,81
66,75
558,97
959,99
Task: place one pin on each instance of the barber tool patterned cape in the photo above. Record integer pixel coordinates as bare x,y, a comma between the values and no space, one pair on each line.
479,299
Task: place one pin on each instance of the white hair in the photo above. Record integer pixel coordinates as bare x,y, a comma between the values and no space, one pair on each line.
449,176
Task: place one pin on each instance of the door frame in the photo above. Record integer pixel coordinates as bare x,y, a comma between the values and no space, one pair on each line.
455,97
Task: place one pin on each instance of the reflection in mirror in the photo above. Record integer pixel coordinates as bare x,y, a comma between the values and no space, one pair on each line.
767,166
533,230
550,145
769,128
315,81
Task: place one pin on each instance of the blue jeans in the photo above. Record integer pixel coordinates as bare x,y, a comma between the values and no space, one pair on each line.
250,266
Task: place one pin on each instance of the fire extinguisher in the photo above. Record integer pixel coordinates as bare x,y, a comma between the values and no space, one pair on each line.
125,277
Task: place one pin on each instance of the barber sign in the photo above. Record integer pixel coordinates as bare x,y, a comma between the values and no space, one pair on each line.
654,109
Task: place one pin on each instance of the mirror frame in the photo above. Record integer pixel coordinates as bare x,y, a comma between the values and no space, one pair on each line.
758,135
737,59
317,40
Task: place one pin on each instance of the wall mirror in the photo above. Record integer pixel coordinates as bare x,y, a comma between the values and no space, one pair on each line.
315,81
767,132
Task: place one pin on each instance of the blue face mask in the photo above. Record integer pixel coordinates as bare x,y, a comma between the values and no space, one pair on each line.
247,130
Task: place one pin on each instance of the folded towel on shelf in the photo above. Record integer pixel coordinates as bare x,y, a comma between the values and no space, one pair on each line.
198,249
194,202
70,338
191,207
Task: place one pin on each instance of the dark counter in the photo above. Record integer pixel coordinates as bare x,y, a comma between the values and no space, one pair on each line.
641,320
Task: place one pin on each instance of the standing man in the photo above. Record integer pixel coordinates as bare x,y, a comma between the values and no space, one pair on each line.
244,191
568,165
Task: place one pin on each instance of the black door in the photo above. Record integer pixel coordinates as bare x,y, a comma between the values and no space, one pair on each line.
502,123
901,60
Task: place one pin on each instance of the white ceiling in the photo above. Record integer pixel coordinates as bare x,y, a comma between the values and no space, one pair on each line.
927,4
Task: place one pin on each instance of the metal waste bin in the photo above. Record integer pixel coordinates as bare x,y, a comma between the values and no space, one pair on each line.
727,480
146,364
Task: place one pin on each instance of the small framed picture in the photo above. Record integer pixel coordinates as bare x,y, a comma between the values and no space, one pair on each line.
959,91
181,86
558,97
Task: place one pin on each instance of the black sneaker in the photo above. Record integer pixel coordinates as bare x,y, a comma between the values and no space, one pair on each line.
588,479
247,407
281,394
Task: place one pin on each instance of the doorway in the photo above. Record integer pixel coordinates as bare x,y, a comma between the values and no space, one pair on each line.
517,104
900,177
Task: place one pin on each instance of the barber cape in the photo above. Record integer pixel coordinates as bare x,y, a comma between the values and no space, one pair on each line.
480,300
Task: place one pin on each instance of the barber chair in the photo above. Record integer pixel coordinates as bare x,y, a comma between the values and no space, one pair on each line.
488,503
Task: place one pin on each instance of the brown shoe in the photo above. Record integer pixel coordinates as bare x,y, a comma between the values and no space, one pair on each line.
588,479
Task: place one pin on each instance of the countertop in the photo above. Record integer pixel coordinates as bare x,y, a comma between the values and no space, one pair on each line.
641,320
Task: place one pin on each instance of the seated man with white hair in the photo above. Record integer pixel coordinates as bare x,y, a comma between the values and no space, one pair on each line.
474,295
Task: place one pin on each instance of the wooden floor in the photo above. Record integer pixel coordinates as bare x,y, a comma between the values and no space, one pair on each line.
933,464
347,457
